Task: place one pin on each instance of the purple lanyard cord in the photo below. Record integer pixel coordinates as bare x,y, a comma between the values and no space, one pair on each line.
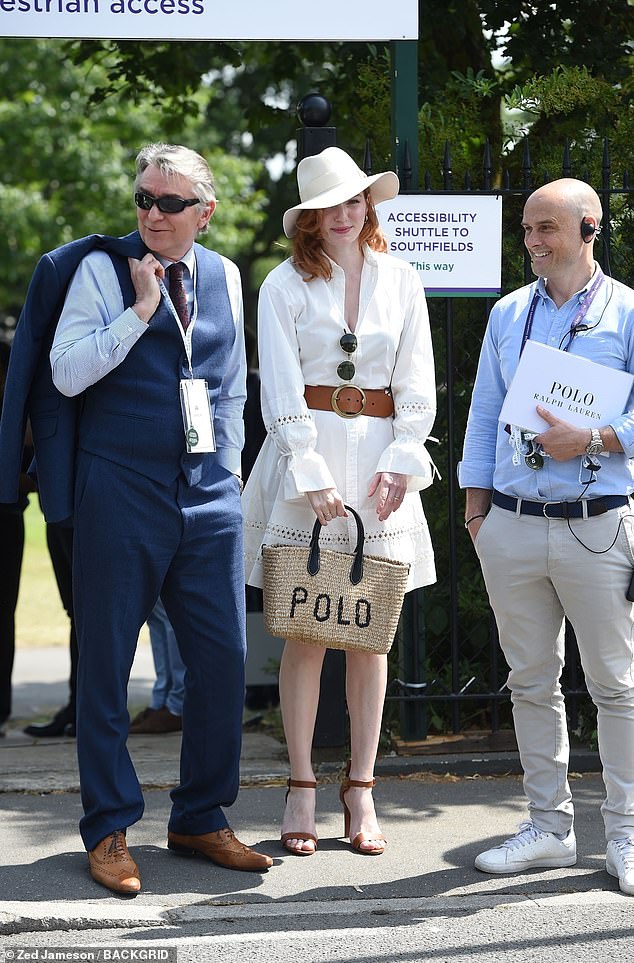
577,320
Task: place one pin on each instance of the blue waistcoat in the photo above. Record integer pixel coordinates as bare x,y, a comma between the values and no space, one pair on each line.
132,416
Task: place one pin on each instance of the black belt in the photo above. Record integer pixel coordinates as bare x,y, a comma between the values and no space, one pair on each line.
595,506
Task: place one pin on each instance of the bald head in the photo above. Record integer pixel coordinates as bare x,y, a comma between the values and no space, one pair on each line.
568,195
560,222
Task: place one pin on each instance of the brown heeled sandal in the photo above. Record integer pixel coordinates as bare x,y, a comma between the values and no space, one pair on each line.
284,838
347,784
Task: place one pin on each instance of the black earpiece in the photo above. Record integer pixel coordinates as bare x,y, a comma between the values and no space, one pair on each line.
588,230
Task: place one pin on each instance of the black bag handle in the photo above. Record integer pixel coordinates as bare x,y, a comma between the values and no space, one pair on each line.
356,571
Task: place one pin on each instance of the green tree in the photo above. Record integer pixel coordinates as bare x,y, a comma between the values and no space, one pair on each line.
537,37
68,162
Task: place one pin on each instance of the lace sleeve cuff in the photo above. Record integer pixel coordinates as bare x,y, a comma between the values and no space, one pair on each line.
306,471
409,458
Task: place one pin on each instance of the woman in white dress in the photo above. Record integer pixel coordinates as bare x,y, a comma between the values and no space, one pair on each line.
340,313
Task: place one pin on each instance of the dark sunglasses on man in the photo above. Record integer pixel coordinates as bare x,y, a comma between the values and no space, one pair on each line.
167,204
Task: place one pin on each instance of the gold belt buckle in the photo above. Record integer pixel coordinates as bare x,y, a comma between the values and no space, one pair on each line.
334,401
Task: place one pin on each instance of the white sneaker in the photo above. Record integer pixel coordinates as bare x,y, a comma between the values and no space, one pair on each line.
619,862
528,849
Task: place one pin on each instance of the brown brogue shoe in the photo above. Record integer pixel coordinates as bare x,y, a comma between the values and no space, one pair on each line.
155,722
222,848
111,864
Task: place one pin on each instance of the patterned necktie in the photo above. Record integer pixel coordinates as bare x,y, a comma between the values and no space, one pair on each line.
177,292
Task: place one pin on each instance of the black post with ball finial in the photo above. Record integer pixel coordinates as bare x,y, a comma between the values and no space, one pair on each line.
314,112
314,135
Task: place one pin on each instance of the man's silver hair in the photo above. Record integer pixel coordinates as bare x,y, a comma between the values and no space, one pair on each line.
173,160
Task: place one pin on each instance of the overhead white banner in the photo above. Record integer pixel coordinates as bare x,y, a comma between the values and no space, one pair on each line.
210,19
453,240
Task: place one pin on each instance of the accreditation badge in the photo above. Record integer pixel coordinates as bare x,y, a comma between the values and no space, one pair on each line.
199,429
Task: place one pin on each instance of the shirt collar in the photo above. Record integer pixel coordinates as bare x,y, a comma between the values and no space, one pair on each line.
369,255
541,287
188,259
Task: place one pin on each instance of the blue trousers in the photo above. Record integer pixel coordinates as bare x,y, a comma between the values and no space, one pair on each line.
133,540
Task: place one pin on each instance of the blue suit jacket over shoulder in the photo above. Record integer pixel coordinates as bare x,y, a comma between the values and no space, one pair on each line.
30,392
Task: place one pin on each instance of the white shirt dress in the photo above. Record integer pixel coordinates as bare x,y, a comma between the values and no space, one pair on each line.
299,327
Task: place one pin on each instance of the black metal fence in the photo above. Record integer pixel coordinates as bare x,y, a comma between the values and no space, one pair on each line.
448,673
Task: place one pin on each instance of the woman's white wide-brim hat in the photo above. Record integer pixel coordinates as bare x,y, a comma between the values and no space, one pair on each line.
332,177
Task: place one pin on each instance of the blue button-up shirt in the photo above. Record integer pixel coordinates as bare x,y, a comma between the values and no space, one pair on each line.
488,455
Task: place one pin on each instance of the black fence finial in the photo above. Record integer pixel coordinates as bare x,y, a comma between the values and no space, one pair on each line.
566,166
407,166
606,165
526,166
487,165
367,158
446,168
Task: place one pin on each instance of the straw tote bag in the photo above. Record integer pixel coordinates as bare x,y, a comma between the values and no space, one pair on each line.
333,599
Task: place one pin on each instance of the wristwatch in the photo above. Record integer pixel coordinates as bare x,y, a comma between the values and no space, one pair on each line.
595,445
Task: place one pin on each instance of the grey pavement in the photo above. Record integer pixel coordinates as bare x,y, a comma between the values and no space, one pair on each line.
423,894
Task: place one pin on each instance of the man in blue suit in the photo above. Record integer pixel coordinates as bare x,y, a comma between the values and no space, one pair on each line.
153,344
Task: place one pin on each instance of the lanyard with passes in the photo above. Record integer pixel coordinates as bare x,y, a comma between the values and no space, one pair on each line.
578,319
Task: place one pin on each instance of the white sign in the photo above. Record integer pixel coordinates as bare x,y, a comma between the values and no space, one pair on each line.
210,19
575,389
453,240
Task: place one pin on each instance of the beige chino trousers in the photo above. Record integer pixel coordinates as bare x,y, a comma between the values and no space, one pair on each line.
537,573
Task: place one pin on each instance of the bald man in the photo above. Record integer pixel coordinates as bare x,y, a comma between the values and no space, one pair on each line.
551,521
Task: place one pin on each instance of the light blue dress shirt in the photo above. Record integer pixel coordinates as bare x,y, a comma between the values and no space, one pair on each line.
487,460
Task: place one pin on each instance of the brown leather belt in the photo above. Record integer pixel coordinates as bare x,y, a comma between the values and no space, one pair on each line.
350,401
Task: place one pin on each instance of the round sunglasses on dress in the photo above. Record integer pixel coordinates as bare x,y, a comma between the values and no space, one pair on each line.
347,343
167,204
